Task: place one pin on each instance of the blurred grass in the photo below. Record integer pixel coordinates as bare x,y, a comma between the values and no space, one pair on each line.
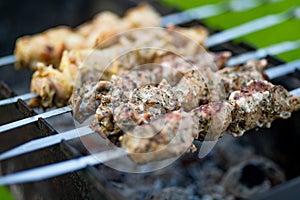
287,31
4,194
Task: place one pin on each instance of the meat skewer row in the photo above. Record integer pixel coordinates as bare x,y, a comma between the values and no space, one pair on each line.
50,86
9,126
131,99
256,105
189,85
55,86
52,43
275,102
68,135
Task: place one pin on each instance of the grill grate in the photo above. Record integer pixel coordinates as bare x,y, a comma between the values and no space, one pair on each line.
73,149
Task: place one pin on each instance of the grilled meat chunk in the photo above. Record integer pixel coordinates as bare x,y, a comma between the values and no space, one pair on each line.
142,92
47,47
256,105
129,102
78,66
200,86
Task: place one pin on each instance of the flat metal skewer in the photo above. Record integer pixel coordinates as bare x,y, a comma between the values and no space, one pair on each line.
68,166
200,12
55,139
16,98
283,69
295,92
34,118
61,168
252,26
44,142
263,52
7,60
211,10
64,167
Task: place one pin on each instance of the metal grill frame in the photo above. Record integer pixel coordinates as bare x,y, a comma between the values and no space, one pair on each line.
89,181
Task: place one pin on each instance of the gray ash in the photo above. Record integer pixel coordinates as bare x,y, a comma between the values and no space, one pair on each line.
208,178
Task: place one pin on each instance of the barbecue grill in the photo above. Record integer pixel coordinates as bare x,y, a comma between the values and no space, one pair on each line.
279,143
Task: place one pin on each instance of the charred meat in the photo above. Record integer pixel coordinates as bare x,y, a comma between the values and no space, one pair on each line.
256,105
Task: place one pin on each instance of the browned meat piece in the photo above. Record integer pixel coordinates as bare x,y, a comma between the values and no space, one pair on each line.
115,93
50,90
107,24
256,105
202,85
201,60
47,47
136,92
78,66
238,77
166,137
84,101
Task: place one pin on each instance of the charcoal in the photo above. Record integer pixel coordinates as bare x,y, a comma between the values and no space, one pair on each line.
252,176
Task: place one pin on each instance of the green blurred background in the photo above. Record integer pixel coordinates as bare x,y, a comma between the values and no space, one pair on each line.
4,194
287,31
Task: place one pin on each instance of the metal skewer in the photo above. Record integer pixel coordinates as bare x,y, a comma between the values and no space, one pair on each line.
295,92
61,168
68,166
47,141
252,26
34,118
64,167
201,12
283,69
16,98
211,10
51,140
7,60
263,52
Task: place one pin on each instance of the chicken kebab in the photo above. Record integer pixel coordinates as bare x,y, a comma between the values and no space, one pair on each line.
149,90
55,86
143,109
256,105
64,53
48,47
